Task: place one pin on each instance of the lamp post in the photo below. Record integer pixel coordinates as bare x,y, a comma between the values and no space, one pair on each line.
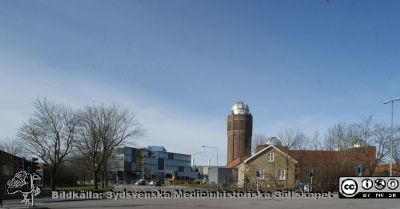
391,135
196,153
216,149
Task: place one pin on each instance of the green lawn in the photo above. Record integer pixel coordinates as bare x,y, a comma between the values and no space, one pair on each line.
79,188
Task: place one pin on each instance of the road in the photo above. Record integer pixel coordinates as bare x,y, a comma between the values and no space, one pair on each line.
218,203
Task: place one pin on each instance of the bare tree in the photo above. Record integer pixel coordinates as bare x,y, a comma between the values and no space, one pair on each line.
257,139
362,135
381,140
49,134
337,137
294,140
364,129
77,169
380,136
12,146
314,143
101,130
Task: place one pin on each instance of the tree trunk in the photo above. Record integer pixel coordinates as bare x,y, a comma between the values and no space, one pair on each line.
95,173
105,183
102,179
53,178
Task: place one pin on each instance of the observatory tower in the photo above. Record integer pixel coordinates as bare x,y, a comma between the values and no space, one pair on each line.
240,125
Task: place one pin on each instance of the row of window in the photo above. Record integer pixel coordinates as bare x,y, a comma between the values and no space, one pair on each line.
128,152
176,163
281,175
168,155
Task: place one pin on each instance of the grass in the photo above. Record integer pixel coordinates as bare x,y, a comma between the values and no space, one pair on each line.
203,186
199,186
79,188
46,192
210,186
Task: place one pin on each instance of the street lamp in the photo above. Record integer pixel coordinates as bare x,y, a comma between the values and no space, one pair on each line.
391,135
216,149
196,153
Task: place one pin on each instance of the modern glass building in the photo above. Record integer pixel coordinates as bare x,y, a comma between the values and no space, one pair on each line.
129,164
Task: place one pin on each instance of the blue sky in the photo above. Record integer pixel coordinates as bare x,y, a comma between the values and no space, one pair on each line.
180,65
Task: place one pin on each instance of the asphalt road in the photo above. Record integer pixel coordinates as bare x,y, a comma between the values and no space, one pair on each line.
219,203
333,202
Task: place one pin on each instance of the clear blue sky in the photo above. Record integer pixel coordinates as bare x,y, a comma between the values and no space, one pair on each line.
180,65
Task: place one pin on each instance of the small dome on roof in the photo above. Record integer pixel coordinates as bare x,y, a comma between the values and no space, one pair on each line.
359,143
273,141
240,108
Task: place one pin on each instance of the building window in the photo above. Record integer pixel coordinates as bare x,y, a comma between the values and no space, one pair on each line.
271,157
281,175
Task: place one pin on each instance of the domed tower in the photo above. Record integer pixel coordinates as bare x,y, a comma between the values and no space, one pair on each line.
273,141
240,126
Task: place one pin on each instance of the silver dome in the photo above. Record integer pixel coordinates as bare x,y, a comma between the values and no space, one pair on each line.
240,108
273,141
357,143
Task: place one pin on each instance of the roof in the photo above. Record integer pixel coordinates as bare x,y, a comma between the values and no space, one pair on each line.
356,155
314,155
265,149
240,108
156,148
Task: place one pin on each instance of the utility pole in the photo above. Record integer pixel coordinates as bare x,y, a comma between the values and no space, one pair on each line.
216,149
33,190
257,178
391,136
311,178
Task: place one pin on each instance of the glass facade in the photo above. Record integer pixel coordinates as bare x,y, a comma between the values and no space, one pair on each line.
152,162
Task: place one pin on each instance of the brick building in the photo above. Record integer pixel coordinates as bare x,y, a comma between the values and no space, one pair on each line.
328,166
9,165
291,168
384,170
239,128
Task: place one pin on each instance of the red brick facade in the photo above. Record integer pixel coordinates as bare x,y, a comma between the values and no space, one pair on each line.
239,132
328,166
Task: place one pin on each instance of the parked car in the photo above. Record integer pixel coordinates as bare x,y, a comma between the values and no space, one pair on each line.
140,182
152,183
155,183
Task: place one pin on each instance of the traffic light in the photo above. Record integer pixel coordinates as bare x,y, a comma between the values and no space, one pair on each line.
258,174
34,165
